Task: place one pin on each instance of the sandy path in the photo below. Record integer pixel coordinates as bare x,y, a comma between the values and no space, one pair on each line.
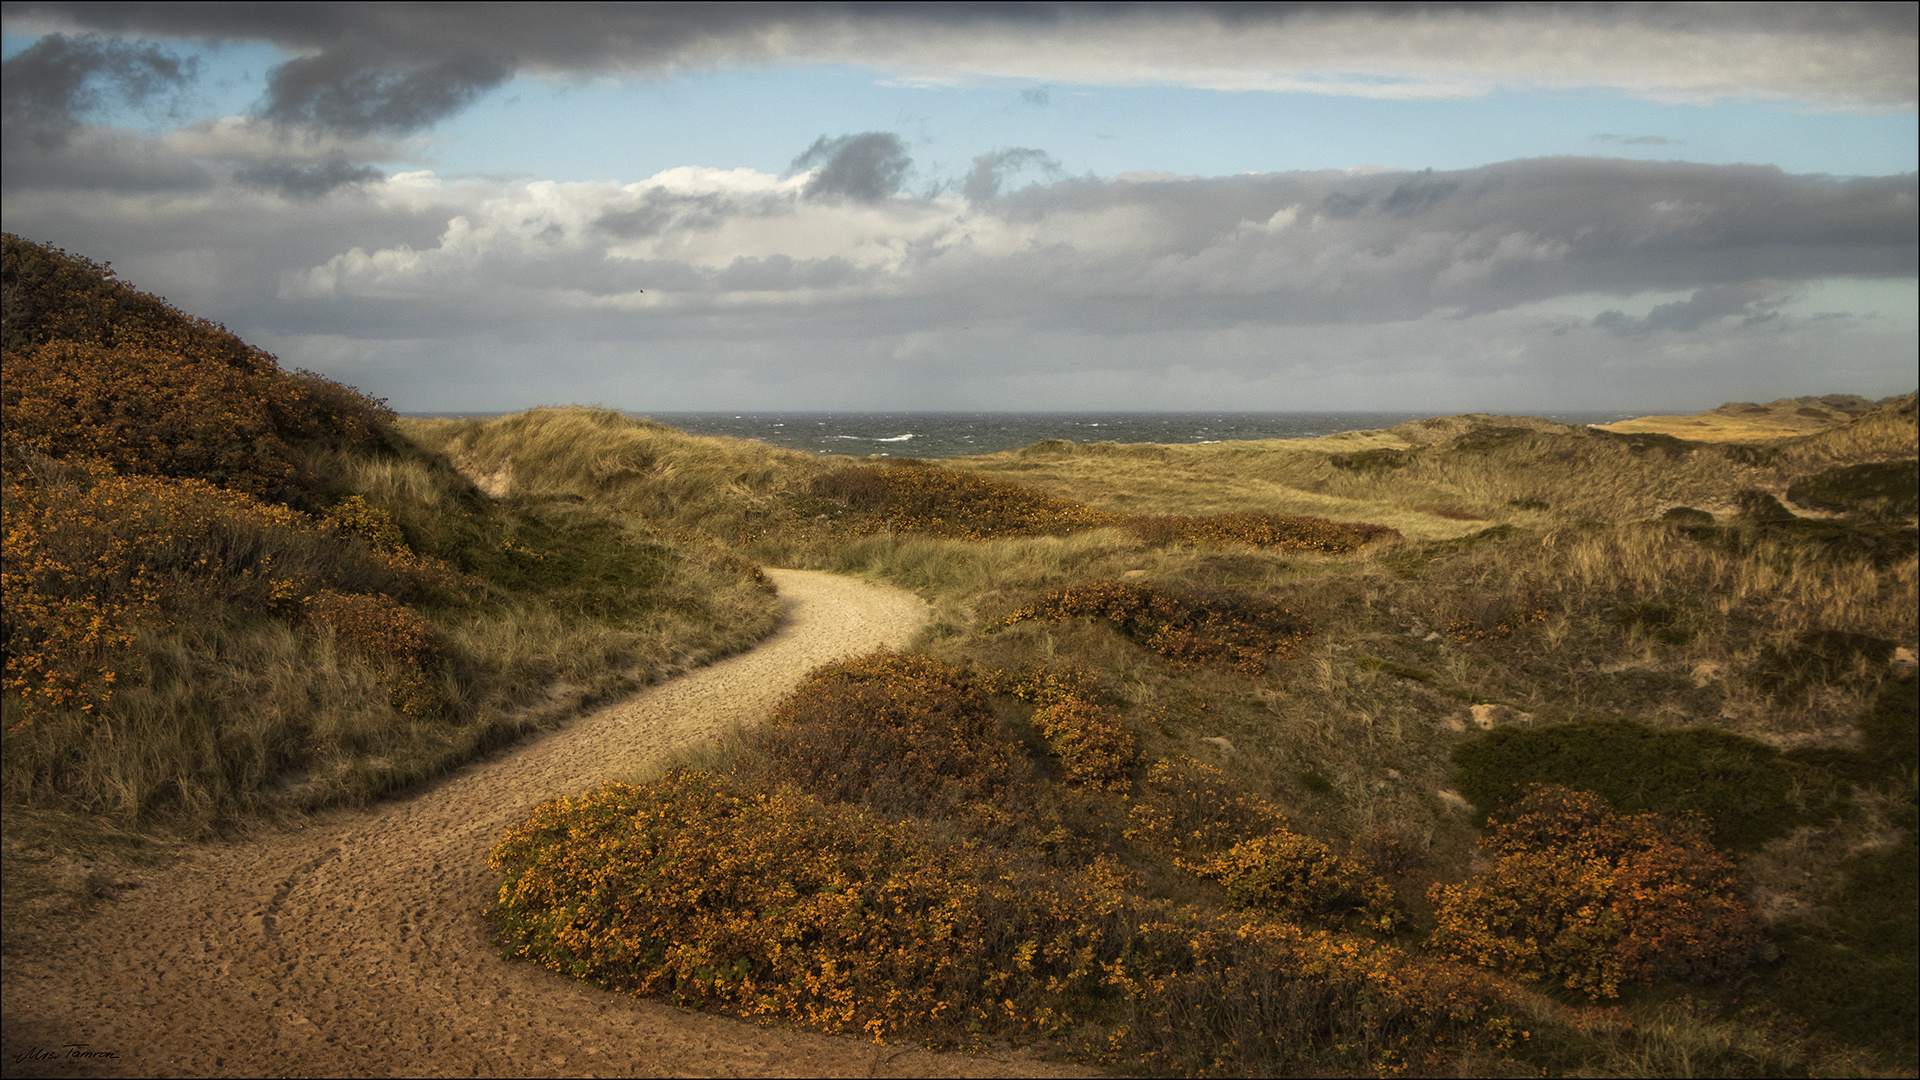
354,945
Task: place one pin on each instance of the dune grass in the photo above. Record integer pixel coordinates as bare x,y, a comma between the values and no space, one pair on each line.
1548,579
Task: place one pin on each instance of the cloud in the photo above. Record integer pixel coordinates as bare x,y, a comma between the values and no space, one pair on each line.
1112,258
351,95
1635,140
399,66
732,288
865,168
301,180
983,182
49,86
1750,302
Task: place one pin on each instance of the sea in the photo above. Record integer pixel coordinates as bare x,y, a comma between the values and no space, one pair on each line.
960,434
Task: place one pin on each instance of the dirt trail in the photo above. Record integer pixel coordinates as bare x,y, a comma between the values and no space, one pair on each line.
354,945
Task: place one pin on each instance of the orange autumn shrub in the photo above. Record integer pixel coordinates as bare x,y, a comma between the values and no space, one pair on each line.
1485,618
1596,899
915,497
903,732
766,902
1223,629
97,370
87,554
1300,879
405,649
1259,530
1090,739
769,902
1191,810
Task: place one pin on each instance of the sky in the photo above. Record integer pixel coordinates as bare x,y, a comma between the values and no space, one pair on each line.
1244,207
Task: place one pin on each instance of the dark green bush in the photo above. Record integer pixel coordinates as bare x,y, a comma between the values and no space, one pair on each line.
1818,657
1373,460
1224,629
1686,517
1875,489
1744,789
1760,507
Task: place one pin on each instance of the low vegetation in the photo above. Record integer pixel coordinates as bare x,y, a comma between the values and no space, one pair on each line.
1482,744
234,592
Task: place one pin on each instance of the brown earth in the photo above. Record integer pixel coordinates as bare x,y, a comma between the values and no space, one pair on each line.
355,944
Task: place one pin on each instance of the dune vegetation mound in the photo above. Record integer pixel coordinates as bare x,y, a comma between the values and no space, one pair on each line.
235,591
1194,728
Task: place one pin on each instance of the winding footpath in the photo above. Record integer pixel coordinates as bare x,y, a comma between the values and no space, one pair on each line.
355,945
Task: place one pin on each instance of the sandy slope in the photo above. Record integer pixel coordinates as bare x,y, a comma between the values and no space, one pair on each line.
354,946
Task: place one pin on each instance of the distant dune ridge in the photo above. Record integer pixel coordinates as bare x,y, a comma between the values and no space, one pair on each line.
1742,421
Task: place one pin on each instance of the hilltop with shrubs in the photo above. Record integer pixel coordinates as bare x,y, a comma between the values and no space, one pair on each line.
1480,745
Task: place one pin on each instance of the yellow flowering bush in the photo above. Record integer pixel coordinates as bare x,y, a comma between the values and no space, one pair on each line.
761,901
1596,899
1191,810
1300,879
1224,629
905,732
771,902
97,370
915,497
1090,739
86,553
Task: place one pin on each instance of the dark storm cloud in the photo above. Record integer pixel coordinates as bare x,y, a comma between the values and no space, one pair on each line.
306,180
398,67
351,95
51,85
865,168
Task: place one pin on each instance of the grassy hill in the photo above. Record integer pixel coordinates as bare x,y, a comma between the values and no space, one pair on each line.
234,592
1215,758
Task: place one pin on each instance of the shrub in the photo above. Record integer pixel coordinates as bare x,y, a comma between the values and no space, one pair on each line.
1224,629
394,640
1743,789
906,733
1761,508
1878,488
97,370
1090,739
1596,899
1686,517
914,497
770,903
1373,460
89,553
1191,810
1260,530
1300,879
